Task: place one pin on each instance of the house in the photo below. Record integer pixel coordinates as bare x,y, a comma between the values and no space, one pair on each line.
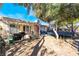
17,25
13,23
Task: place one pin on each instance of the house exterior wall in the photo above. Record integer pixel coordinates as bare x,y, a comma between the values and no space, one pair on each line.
20,25
36,30
30,27
4,30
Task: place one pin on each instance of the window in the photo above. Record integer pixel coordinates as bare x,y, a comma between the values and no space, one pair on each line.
12,25
27,28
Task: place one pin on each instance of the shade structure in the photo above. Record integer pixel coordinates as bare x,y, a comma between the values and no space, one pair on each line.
43,23
35,20
31,18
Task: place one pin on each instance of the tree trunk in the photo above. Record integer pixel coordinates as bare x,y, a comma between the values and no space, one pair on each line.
57,36
72,29
54,28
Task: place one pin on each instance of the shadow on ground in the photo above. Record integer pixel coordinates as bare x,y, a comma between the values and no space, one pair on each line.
75,43
16,48
37,47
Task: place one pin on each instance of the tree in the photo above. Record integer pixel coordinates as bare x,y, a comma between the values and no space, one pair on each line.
27,5
47,12
69,13
62,14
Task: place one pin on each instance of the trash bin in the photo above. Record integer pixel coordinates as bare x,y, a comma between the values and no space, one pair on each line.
10,38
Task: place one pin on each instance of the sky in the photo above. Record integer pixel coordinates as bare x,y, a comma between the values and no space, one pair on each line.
18,12
12,11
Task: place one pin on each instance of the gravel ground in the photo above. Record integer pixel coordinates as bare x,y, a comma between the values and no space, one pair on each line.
59,47
47,46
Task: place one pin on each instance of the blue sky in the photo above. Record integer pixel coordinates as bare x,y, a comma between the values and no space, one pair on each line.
12,11
18,12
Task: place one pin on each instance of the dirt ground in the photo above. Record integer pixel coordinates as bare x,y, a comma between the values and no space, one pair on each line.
47,46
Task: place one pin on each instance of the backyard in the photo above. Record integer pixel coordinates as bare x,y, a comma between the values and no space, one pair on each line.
42,47
39,29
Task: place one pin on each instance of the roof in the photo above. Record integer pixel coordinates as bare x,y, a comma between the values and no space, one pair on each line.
4,19
44,23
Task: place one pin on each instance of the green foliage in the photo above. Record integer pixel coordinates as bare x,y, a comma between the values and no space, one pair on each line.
49,11
63,13
67,12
